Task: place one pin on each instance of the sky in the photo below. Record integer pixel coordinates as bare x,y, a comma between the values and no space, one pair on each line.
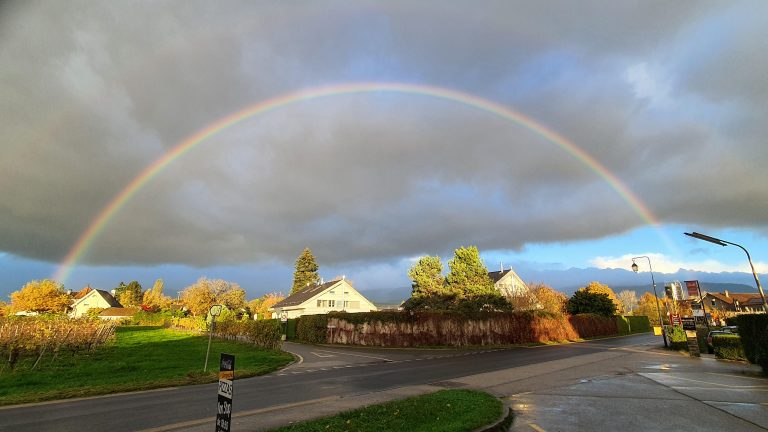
551,135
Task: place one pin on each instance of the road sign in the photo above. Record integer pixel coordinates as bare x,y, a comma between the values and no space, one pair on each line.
224,403
284,317
693,288
675,318
689,323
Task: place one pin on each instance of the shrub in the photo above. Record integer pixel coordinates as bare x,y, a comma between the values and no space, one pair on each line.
312,328
728,347
678,340
145,318
622,324
587,302
753,330
639,324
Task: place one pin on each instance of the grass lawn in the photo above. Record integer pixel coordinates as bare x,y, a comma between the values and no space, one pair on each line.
139,358
444,411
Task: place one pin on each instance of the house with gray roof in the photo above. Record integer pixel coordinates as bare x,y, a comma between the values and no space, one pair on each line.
336,295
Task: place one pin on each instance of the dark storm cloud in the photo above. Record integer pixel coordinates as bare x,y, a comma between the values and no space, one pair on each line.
92,93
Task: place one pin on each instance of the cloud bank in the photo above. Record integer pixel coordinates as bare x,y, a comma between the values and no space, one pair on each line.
669,97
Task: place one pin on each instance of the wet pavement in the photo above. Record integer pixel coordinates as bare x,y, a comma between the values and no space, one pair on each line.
655,390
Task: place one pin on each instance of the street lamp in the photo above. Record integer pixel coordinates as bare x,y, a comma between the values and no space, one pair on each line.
658,308
720,242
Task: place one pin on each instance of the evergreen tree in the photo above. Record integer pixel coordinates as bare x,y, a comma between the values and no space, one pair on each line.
427,277
306,271
468,276
585,301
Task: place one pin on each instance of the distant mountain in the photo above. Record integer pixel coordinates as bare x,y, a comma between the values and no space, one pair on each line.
572,279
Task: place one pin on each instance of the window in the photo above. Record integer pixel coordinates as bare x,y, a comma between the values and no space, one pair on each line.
713,302
319,303
331,303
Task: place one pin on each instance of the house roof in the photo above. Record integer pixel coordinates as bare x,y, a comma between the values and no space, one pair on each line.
108,298
497,275
305,294
743,298
118,312
82,293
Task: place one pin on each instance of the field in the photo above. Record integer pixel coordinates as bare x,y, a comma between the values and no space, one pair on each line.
139,358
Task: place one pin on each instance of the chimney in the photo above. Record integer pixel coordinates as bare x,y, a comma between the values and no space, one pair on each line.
501,264
727,294
321,281
343,277
113,292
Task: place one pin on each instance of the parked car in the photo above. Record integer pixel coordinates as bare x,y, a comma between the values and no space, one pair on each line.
731,329
710,347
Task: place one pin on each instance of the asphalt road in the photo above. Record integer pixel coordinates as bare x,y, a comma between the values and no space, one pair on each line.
379,369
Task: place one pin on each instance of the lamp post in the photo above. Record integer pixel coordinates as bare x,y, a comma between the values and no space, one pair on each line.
658,308
720,242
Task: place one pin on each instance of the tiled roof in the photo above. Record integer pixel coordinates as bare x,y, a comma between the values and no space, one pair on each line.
80,294
743,298
305,294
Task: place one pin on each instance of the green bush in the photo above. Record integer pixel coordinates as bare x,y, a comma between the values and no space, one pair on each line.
728,347
678,340
587,302
290,329
622,323
753,329
312,328
639,324
144,318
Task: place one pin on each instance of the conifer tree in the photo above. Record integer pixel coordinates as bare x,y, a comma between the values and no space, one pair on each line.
306,271
427,277
468,276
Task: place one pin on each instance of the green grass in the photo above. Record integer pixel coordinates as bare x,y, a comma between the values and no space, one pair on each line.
444,411
140,358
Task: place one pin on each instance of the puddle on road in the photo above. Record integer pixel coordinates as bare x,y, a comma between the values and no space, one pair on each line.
661,366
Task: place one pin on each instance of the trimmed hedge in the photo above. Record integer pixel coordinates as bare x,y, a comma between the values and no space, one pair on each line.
639,324
312,328
678,340
753,329
728,347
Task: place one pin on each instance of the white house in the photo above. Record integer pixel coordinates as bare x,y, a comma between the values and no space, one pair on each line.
509,284
93,299
336,295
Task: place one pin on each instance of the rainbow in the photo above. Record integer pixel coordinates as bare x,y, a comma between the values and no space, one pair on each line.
118,202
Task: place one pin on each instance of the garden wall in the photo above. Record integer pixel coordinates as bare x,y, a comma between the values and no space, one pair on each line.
402,329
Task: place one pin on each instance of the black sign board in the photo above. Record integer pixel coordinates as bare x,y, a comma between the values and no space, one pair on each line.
689,323
224,404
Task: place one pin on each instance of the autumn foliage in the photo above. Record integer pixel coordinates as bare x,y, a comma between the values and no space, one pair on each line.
25,337
44,296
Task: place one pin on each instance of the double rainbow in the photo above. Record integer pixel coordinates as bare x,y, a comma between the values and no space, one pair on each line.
87,238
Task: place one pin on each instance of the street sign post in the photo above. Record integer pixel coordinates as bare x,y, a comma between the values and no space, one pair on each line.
284,320
224,403
694,290
689,325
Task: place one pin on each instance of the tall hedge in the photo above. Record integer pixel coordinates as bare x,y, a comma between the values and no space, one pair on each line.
753,329
312,328
728,347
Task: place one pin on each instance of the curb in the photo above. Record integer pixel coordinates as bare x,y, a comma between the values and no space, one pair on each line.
503,423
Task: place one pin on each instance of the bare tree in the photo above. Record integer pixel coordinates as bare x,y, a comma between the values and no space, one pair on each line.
628,300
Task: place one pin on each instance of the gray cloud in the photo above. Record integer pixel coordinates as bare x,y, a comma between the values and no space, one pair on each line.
93,93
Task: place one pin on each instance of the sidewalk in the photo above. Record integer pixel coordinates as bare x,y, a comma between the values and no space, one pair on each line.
635,388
